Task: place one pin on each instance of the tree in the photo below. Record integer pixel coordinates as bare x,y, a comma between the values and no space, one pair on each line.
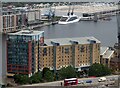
36,78
44,71
49,76
99,70
22,79
16,77
68,72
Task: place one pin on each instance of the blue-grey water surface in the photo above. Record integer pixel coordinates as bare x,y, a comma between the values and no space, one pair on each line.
105,31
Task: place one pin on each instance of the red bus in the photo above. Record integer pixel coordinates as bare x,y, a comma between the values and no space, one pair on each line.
70,81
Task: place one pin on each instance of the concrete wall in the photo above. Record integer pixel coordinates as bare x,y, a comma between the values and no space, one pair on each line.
2,58
1,22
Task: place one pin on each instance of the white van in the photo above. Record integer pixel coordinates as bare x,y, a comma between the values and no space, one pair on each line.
102,79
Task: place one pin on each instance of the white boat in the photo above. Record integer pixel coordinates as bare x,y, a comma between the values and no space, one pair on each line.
69,19
87,17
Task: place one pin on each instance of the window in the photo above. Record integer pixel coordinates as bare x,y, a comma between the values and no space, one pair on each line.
106,61
45,52
49,51
62,49
82,48
63,19
86,49
66,50
72,18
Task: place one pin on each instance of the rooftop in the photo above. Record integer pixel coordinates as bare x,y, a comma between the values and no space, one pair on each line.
108,54
103,50
69,41
26,32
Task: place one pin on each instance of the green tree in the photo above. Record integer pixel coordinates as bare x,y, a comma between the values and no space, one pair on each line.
44,71
68,72
36,78
21,79
49,76
16,77
99,70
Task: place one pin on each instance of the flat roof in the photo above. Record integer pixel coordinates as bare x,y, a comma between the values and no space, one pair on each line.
103,50
108,54
67,41
26,32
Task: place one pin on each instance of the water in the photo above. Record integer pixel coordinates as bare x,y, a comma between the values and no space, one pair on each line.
105,31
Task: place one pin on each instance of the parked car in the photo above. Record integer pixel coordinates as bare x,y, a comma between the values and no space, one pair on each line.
102,79
89,81
80,82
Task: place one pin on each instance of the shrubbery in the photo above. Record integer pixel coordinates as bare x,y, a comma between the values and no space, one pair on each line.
66,72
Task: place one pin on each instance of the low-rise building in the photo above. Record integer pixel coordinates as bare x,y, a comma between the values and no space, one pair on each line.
115,62
106,54
62,52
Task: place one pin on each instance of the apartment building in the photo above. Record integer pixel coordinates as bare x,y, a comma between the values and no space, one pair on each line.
62,52
22,51
14,19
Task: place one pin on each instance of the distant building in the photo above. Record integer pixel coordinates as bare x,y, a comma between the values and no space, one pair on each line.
34,14
106,54
115,62
78,52
22,51
15,18
12,21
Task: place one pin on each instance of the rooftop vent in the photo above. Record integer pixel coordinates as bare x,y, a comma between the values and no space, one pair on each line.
73,42
92,41
27,32
55,44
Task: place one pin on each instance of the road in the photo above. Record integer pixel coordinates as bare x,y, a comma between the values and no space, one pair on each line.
94,82
111,80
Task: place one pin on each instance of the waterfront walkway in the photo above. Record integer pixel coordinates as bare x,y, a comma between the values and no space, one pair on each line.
87,8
